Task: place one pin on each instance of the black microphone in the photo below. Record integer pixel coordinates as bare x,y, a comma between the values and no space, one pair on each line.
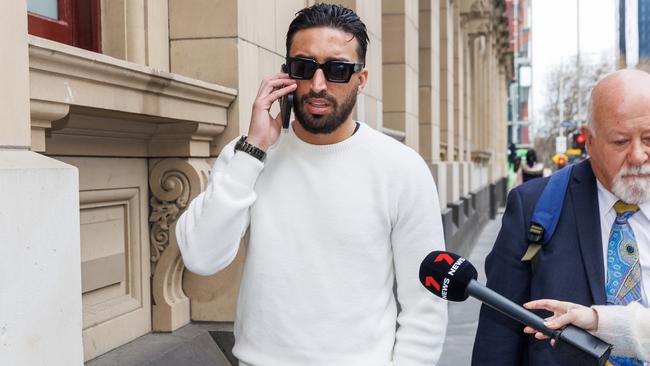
452,277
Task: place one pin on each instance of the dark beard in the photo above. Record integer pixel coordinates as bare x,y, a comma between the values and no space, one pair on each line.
324,124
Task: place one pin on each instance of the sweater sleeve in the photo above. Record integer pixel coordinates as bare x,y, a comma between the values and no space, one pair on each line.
417,230
627,328
210,230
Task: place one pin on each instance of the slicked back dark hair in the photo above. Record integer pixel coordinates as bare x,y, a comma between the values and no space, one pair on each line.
334,16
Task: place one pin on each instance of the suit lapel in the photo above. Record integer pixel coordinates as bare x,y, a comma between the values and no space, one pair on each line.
584,195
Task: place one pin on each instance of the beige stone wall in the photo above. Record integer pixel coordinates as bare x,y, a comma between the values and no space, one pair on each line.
400,69
429,80
136,31
235,43
94,110
40,301
115,281
15,130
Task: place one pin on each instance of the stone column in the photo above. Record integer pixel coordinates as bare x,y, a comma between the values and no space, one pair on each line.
489,100
484,107
467,93
459,80
494,107
124,22
157,34
429,111
136,31
479,115
460,101
480,111
480,120
503,125
41,317
502,117
447,78
447,97
400,68
467,106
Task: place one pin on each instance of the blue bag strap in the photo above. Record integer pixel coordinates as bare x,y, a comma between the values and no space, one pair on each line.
549,207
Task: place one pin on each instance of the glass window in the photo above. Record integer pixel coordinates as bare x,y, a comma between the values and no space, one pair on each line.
46,8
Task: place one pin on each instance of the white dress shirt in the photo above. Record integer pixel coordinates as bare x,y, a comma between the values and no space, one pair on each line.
640,223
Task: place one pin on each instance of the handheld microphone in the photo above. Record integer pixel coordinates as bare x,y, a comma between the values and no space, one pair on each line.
452,277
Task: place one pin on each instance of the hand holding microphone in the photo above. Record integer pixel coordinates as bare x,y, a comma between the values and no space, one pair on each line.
453,278
563,313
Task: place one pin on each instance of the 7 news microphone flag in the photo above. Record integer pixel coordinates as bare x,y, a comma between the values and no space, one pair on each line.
452,277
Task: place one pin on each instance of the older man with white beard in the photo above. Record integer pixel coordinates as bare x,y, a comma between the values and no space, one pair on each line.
600,252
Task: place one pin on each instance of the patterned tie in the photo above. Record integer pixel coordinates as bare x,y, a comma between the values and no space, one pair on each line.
623,268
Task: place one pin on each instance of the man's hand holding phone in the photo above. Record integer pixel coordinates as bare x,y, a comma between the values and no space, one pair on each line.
264,129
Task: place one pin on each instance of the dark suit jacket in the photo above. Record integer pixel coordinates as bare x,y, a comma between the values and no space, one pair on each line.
570,269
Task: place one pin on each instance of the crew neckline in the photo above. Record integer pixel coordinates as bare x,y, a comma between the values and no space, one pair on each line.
296,141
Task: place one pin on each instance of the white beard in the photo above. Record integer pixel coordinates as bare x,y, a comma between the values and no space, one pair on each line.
633,188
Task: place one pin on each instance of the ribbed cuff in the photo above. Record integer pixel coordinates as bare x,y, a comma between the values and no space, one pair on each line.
615,326
245,169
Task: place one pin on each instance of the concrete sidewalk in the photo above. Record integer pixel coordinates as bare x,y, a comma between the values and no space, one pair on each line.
463,316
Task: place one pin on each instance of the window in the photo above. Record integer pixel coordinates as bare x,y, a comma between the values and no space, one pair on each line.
74,22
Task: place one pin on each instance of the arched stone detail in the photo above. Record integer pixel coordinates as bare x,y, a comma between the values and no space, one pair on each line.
173,183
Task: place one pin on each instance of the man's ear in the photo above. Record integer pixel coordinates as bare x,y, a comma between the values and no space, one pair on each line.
363,79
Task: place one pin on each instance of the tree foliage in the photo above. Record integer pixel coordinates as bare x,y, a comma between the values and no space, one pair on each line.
567,93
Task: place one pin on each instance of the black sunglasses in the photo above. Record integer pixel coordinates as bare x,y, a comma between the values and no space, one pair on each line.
335,71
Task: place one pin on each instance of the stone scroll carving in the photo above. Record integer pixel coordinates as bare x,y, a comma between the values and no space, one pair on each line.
173,184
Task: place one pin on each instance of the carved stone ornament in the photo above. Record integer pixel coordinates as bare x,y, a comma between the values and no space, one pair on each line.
162,214
480,8
173,184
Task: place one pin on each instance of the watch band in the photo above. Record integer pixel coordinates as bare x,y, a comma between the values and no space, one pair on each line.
250,149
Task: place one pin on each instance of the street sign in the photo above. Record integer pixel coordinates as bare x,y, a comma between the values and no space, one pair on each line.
568,124
560,144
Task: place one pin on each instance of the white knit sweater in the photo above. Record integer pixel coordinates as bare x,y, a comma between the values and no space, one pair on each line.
331,227
627,328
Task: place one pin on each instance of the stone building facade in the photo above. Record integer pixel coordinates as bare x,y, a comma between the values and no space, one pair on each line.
100,151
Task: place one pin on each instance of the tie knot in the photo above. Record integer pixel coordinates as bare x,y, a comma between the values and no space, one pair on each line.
625,209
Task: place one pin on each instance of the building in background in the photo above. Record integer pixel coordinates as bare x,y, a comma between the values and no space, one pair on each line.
633,34
519,91
113,112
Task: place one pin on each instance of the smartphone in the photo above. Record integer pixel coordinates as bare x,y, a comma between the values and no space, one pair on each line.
286,105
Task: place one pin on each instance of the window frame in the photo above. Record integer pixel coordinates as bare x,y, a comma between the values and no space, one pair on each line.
78,25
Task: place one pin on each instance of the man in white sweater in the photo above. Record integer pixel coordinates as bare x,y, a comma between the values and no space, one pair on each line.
339,215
